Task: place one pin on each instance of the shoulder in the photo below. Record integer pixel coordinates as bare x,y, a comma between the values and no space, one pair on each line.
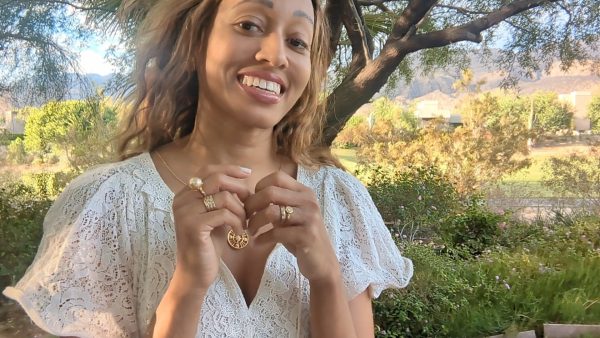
116,174
331,179
104,187
329,175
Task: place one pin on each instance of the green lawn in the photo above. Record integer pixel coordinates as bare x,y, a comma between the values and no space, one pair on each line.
347,157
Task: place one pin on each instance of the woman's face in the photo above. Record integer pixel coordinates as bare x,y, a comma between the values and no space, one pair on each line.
257,59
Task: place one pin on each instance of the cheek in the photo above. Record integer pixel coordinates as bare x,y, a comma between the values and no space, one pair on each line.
303,73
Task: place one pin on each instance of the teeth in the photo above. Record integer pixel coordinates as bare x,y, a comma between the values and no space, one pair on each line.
261,83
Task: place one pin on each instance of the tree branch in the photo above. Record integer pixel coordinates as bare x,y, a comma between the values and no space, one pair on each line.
333,13
356,89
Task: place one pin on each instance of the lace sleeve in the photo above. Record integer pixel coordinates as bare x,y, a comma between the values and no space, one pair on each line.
367,253
80,282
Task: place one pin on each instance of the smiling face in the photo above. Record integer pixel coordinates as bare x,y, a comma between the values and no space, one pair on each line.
257,60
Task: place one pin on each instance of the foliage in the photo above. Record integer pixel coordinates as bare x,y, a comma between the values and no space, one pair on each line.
16,153
36,49
577,174
79,130
594,113
472,231
387,120
47,184
416,201
492,142
547,272
439,37
550,115
22,212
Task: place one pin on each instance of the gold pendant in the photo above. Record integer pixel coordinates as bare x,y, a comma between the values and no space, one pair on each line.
237,241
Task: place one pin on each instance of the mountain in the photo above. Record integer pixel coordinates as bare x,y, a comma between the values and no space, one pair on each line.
577,78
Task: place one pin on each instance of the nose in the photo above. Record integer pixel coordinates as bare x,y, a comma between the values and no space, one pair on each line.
272,51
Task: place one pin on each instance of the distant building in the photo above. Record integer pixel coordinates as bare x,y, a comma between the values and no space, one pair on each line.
12,124
427,110
8,118
580,102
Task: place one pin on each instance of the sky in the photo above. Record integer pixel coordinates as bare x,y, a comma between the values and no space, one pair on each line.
92,61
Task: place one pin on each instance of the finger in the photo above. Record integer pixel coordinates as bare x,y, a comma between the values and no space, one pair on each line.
268,215
273,214
227,200
290,237
221,182
279,179
222,217
271,195
229,170
190,223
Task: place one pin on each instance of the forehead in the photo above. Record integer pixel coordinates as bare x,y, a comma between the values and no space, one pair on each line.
299,8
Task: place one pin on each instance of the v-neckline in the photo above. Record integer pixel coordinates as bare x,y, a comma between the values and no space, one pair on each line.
227,274
224,268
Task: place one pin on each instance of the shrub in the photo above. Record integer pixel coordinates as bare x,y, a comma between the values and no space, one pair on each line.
474,230
576,174
22,213
415,201
16,153
47,184
426,306
549,274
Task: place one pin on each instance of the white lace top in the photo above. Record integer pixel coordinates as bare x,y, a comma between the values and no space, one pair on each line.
108,253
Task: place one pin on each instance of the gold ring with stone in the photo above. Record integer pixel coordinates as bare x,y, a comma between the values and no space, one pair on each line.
196,183
209,203
282,214
288,212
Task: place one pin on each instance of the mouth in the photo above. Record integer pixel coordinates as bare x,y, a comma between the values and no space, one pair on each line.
262,84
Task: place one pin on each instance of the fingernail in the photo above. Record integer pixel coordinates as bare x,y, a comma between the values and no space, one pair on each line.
246,170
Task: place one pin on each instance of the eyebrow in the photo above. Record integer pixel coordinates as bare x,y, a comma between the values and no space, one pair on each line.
304,15
269,3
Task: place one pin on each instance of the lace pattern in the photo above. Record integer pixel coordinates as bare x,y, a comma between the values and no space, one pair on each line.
108,254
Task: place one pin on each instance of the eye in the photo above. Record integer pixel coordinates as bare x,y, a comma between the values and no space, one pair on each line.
249,26
298,44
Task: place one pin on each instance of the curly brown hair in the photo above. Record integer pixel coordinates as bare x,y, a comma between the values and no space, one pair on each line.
165,99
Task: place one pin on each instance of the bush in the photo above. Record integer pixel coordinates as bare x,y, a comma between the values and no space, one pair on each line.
16,152
548,274
427,305
22,213
47,184
474,230
415,201
576,174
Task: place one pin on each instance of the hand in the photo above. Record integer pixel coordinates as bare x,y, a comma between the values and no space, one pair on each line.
197,256
303,234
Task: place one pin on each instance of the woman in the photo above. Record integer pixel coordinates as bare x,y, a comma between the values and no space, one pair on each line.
221,174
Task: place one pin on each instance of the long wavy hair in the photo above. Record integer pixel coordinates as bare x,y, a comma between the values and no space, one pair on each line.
165,99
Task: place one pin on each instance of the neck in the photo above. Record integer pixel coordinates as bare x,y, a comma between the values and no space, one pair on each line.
222,141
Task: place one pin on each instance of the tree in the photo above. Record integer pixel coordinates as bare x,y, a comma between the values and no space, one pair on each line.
34,40
78,130
594,113
550,115
491,143
374,41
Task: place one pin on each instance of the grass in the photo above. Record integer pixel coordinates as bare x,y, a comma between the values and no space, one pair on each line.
347,157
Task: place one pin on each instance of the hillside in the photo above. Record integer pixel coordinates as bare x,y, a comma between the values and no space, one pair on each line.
578,78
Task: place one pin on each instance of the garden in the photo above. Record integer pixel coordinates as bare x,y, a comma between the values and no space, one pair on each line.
480,270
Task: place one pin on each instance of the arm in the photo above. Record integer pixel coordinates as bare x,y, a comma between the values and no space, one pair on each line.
331,315
178,313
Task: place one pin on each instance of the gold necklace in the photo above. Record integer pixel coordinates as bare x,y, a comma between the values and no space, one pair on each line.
234,240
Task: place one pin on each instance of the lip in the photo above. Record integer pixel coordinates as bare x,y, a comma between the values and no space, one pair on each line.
269,76
260,95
